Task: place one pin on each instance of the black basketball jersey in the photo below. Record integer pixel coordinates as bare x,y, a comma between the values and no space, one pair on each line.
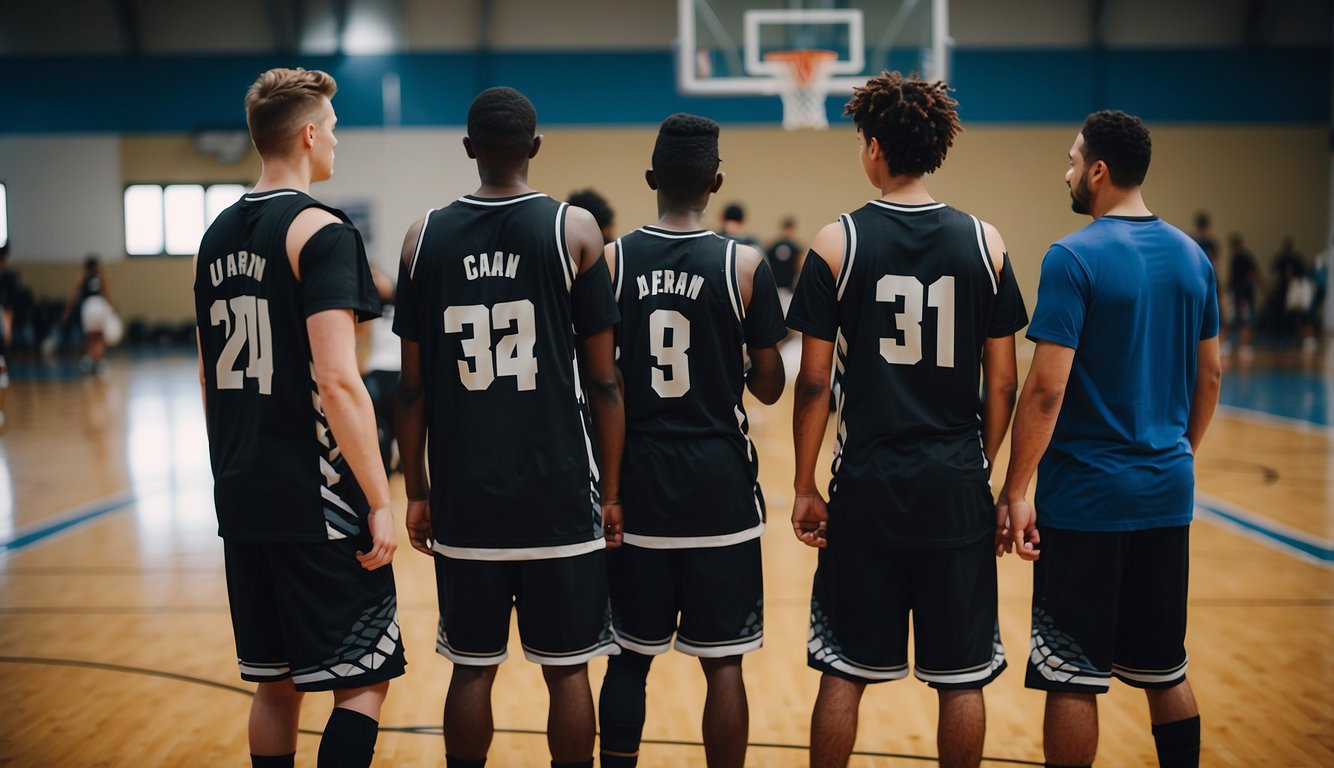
915,299
494,299
690,472
278,473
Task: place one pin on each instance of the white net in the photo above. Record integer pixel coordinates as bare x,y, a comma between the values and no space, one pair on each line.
803,82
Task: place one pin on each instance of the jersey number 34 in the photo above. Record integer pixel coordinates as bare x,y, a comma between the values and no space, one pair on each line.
511,354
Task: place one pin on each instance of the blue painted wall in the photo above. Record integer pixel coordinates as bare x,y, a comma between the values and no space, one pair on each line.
185,93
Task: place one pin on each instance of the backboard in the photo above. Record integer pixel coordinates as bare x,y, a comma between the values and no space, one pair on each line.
722,44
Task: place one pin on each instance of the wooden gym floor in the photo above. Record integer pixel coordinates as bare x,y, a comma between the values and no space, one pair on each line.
116,647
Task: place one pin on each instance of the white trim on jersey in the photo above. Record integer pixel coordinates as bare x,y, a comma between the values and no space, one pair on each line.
720,650
563,248
849,252
973,675
656,232
263,670
825,655
421,238
641,646
907,208
498,554
481,201
618,263
1150,676
260,198
693,542
986,254
603,648
337,501
729,271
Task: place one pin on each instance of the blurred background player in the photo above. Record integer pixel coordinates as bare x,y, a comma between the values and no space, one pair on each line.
596,204
784,257
692,304
734,225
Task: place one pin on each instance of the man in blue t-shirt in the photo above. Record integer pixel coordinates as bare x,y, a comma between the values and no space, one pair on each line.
1123,384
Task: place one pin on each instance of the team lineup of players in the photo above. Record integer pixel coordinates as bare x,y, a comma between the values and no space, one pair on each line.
574,441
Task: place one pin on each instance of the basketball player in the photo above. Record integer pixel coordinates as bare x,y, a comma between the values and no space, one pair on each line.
302,498
1123,385
693,305
92,299
734,225
911,302
504,308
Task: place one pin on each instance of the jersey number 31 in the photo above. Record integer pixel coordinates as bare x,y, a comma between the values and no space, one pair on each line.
939,296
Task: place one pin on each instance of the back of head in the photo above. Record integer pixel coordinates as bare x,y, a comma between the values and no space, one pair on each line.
90,262
1122,142
685,156
501,125
280,102
914,121
595,204
734,212
1202,220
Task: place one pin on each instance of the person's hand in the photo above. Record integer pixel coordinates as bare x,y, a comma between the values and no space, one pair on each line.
419,526
810,519
383,540
613,527
1017,526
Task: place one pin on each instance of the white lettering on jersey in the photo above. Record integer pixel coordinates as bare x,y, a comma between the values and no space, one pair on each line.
667,281
491,265
240,263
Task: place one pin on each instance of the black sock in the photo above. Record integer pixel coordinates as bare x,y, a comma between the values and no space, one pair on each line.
1178,743
581,764
349,740
273,761
621,707
458,762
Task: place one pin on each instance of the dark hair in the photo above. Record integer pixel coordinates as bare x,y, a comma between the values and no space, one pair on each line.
595,204
501,125
914,121
788,221
90,262
1202,219
734,212
685,156
1122,142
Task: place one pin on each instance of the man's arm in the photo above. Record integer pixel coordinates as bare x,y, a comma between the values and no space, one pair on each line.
1000,375
601,377
347,405
1204,400
810,409
410,419
1034,422
766,376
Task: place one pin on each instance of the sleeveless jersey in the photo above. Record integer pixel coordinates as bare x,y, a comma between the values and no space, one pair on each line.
912,304
492,299
278,473
690,472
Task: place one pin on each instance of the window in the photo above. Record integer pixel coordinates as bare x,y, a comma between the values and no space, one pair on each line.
170,219
4,216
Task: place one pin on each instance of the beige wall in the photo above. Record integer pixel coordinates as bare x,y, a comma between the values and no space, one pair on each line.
1266,182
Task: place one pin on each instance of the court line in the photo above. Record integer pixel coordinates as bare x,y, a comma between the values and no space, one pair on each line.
433,730
74,517
1290,541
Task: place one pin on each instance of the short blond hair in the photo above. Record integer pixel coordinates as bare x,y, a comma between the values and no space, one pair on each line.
280,102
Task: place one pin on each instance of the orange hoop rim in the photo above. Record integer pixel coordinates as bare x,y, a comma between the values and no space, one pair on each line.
804,62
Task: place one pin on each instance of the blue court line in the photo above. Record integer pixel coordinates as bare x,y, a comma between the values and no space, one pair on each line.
1303,545
76,516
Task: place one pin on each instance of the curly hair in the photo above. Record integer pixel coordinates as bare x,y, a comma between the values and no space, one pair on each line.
1122,142
914,121
280,102
596,204
685,156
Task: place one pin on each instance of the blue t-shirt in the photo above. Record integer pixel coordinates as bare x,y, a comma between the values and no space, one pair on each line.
1133,296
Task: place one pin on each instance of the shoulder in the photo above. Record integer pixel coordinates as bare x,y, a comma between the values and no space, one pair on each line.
748,258
995,245
305,225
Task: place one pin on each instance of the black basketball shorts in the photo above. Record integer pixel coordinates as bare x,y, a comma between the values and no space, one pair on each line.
717,593
312,613
564,616
1109,604
861,601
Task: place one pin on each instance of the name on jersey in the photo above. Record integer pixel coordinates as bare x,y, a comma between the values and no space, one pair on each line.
669,281
233,264
491,265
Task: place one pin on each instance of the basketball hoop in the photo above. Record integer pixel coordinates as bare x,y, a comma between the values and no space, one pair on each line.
803,83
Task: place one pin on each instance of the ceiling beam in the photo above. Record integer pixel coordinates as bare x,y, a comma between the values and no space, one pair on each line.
127,18
1257,14
1098,23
